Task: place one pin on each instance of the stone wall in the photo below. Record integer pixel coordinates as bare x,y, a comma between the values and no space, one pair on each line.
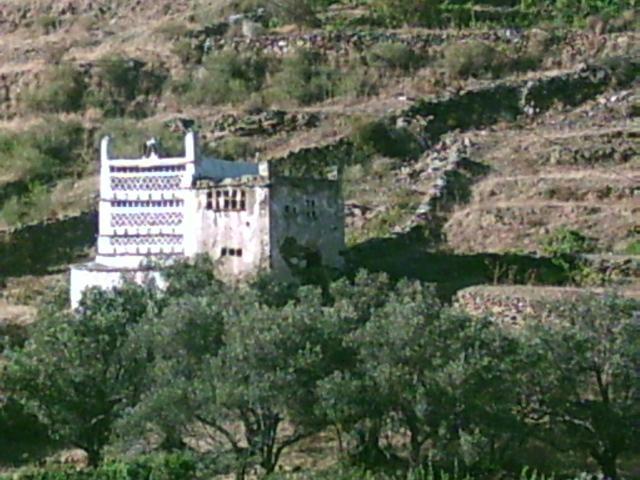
510,306
306,225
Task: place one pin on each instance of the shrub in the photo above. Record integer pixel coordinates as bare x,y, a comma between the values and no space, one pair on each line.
565,241
298,12
174,466
32,206
304,78
62,90
377,137
633,248
43,153
395,13
47,23
234,148
357,81
393,56
120,81
227,77
472,59
129,136
186,51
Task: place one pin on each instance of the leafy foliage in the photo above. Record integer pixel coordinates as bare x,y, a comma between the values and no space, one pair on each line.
228,77
48,151
175,466
124,85
472,59
304,78
378,137
80,371
398,375
581,383
62,90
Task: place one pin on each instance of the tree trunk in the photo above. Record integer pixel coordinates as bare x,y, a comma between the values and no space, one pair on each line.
608,464
93,456
415,457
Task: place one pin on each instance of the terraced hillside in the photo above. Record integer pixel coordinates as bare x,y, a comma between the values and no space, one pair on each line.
462,147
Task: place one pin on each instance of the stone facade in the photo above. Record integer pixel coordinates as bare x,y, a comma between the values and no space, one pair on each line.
157,209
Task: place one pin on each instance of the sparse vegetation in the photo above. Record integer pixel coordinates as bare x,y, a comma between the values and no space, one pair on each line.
304,78
43,153
61,89
234,148
124,86
394,56
226,77
472,59
377,137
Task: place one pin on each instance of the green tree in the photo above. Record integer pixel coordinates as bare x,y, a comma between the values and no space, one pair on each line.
582,380
79,371
427,372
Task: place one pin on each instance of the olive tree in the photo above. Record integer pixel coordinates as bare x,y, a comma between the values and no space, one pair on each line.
80,371
427,373
582,387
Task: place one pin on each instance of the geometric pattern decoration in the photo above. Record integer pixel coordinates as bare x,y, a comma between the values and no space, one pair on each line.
147,240
147,219
154,183
165,169
147,203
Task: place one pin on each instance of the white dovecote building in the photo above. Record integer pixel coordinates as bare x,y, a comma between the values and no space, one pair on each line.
244,216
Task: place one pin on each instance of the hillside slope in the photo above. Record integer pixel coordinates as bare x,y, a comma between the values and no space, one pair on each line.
538,130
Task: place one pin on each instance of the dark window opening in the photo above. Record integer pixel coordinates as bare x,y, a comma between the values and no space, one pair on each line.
209,200
231,252
233,200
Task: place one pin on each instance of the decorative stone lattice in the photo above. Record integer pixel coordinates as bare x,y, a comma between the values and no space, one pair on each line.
147,240
163,169
147,219
170,182
147,203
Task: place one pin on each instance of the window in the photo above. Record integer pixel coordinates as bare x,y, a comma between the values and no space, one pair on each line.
209,200
311,209
231,252
229,200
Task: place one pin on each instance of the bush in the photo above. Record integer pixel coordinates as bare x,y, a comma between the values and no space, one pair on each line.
120,81
393,56
298,12
357,81
62,89
304,78
43,153
47,23
227,77
633,248
567,242
32,206
175,466
377,137
129,136
234,148
186,52
396,13
472,59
